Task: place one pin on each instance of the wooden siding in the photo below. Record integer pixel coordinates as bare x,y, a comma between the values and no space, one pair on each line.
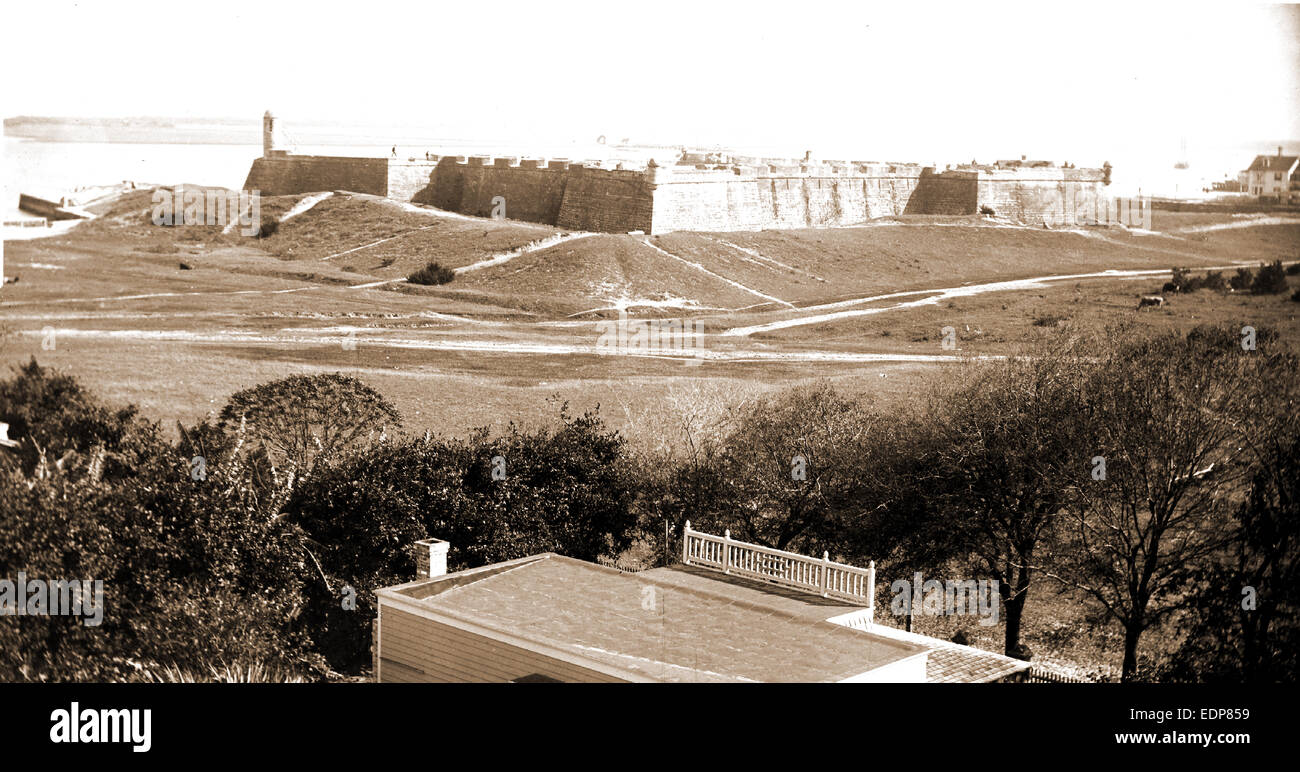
413,649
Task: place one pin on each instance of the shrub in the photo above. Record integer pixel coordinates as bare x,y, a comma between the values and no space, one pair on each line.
225,673
565,489
1293,269
1214,281
193,570
267,227
1270,280
433,273
987,210
1184,282
50,414
1049,320
1296,296
1242,279
302,417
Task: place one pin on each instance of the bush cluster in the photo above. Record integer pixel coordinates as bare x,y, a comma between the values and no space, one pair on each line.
432,274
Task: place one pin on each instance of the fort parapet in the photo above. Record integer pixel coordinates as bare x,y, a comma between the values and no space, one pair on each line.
741,194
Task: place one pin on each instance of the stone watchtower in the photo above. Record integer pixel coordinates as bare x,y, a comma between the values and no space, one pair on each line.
272,143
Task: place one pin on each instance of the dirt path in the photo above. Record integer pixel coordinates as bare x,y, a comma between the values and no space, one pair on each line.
505,257
1245,223
934,296
304,205
698,267
376,243
767,262
240,337
150,295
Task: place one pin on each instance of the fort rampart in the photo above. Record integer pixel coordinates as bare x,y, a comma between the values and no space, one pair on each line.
753,195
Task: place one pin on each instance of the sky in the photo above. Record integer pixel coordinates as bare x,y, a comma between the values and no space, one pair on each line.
907,81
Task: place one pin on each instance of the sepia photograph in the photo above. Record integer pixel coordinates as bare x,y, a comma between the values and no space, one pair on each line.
458,344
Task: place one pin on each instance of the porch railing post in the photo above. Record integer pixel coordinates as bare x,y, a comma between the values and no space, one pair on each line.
871,593
686,543
826,573
726,551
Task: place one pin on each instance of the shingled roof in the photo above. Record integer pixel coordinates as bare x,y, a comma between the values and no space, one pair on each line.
1273,163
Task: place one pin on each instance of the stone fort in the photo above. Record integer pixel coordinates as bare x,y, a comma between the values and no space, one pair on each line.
697,191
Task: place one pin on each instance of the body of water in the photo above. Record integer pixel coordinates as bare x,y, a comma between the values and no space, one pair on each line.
53,169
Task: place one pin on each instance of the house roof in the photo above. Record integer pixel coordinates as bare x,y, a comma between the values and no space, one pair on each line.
954,663
1273,163
666,626
948,662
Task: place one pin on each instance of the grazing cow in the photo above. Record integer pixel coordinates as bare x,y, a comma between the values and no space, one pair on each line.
1150,300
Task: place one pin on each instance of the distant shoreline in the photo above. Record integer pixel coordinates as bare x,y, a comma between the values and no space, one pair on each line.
59,140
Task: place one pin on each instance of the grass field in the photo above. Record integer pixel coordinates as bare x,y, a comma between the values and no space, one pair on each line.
507,341
493,345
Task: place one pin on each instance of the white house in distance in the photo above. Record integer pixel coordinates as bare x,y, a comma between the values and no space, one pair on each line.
1274,176
729,612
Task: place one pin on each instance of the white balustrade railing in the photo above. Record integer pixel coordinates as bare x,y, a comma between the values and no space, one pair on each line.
788,569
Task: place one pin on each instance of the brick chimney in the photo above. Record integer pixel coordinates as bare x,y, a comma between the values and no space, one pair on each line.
430,558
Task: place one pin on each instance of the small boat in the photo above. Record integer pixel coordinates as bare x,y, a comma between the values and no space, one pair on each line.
51,210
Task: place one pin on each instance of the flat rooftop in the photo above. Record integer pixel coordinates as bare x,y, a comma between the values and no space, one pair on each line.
948,662
669,624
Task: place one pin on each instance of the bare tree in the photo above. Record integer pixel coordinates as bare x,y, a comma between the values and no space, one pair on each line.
1167,472
1009,448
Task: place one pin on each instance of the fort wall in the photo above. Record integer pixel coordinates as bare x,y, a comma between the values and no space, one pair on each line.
719,197
609,200
1048,195
289,174
806,196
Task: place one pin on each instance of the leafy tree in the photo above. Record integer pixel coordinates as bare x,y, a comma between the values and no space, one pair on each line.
562,489
793,461
50,414
303,417
192,573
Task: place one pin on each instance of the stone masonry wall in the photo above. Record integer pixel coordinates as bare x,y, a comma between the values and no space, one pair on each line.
530,189
285,175
718,198
608,200
1051,196
805,196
